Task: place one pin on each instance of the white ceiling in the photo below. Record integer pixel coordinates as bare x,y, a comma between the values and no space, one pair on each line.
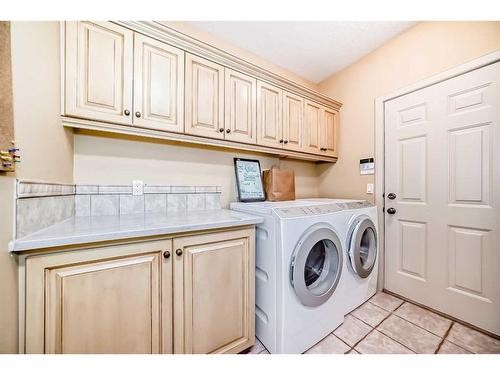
313,50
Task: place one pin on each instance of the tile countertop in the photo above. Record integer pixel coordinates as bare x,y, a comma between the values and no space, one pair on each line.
87,229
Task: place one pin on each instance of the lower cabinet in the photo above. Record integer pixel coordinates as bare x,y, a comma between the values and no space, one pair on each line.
214,305
190,294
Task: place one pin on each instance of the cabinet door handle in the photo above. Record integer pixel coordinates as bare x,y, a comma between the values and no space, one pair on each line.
166,254
221,130
178,252
138,114
126,112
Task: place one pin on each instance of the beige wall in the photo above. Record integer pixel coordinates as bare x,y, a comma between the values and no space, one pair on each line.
46,147
121,159
8,270
426,49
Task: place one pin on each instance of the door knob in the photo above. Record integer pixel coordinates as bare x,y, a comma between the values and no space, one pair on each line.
126,112
178,252
391,210
166,254
138,114
391,196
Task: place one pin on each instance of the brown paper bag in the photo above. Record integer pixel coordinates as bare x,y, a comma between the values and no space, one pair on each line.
279,184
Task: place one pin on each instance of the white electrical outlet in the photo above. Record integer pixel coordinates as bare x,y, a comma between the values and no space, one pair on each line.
369,188
137,187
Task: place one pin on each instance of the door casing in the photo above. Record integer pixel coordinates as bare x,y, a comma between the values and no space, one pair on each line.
478,63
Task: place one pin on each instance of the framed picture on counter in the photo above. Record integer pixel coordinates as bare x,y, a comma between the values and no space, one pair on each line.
249,180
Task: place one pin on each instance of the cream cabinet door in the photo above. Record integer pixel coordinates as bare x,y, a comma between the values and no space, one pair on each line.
312,127
158,85
116,299
240,107
204,89
329,132
269,115
99,59
293,113
214,292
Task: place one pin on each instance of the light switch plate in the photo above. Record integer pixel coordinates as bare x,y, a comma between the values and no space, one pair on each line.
137,187
369,188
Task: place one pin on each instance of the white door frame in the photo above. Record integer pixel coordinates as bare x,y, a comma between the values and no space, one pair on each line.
480,62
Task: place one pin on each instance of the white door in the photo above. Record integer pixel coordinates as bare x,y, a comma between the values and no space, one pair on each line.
442,162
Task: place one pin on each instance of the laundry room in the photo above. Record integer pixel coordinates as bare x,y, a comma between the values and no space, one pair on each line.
277,187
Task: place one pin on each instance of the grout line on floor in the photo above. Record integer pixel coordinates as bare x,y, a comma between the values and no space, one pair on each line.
372,328
444,337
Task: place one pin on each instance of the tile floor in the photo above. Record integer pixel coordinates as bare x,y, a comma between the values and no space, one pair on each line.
388,325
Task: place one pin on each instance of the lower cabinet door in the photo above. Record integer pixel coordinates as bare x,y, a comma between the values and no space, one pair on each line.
108,300
214,292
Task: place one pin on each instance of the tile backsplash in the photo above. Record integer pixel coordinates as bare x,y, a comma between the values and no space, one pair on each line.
118,200
39,205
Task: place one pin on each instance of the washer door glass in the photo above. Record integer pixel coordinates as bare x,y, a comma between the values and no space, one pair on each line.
363,247
316,266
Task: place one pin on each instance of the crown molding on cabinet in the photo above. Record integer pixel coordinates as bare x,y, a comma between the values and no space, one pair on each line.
156,30
77,123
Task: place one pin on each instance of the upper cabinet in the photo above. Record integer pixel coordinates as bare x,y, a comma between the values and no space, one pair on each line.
99,61
329,132
293,119
269,110
158,85
320,129
204,97
121,78
312,126
240,102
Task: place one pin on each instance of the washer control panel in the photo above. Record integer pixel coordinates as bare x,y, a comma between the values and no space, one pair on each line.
321,209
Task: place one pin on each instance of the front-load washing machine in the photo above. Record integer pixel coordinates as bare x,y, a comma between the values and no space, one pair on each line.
359,281
361,274
299,267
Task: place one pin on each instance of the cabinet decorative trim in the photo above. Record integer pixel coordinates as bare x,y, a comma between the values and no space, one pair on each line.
157,30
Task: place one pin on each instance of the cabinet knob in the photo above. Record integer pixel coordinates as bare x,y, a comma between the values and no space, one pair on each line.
138,114
285,142
166,254
228,131
221,130
178,252
281,141
126,112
